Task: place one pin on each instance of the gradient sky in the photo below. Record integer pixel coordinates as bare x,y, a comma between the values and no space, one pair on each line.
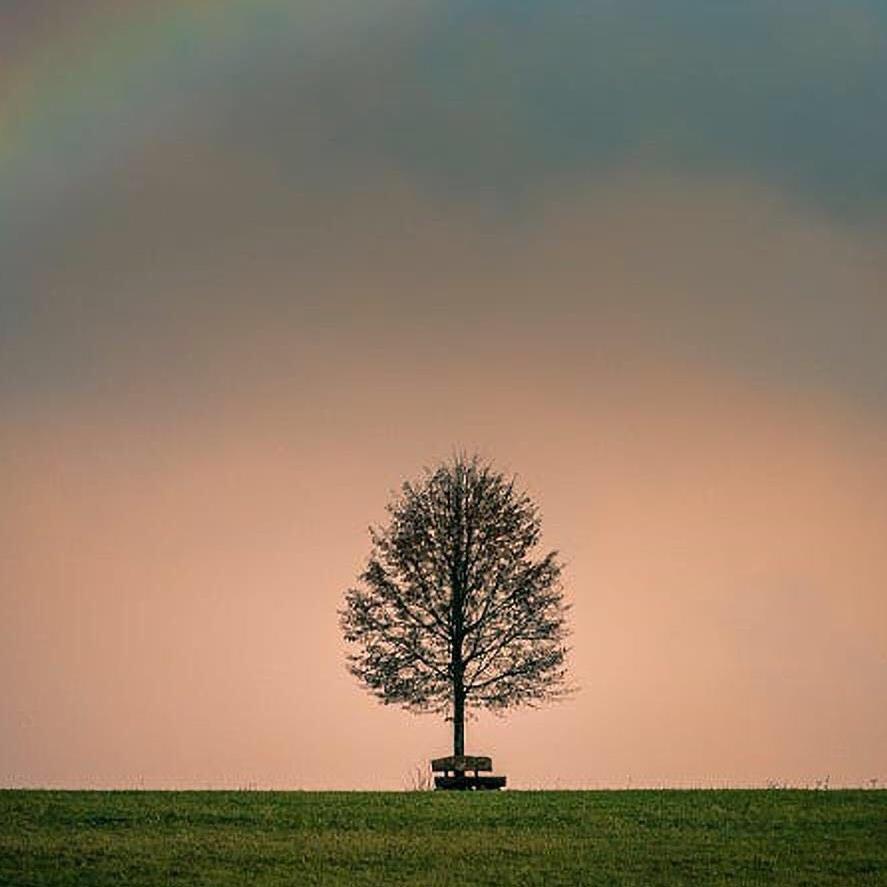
261,261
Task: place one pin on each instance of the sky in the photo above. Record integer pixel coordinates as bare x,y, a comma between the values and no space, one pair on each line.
262,261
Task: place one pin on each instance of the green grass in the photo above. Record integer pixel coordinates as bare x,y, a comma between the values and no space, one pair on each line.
304,838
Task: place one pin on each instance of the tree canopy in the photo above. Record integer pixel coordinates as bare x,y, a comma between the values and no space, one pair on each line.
455,610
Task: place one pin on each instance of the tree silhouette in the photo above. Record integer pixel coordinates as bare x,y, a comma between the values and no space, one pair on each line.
454,611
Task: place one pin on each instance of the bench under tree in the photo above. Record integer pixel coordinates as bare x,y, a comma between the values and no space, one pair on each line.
462,773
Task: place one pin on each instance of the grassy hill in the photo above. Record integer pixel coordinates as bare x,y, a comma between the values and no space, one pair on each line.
304,838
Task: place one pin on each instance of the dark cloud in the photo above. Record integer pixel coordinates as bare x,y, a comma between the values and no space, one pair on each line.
341,176
496,97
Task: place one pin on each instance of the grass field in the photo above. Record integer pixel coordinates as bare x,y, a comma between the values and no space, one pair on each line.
304,838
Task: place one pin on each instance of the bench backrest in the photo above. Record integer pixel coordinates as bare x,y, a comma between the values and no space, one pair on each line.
461,763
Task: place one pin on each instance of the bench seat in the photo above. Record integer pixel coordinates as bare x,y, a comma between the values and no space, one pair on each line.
462,773
465,782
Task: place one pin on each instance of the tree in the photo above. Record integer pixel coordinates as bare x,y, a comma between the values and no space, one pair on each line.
454,611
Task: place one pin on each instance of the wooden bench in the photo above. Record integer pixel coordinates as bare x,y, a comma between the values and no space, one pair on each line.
455,773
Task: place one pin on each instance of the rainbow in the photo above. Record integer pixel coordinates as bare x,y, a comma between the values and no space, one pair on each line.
74,95
65,93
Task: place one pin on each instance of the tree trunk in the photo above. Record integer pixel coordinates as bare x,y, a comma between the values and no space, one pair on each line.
459,721
458,576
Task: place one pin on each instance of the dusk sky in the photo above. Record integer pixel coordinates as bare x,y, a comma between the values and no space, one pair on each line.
261,261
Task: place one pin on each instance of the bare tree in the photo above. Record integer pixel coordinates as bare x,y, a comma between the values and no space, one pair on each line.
454,610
